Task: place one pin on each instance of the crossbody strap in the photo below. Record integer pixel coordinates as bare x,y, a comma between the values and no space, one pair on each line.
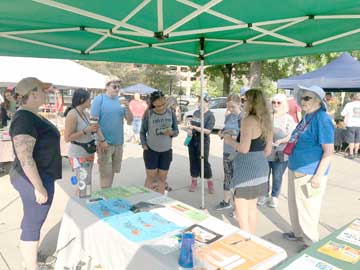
306,124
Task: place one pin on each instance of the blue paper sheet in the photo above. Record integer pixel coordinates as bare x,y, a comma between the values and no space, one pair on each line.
141,226
106,208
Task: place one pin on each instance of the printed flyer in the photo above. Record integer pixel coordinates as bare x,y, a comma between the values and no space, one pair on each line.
340,252
141,226
233,252
119,192
188,212
307,262
203,235
352,233
107,208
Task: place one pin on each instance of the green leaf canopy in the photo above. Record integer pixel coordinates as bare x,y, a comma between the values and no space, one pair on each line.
172,31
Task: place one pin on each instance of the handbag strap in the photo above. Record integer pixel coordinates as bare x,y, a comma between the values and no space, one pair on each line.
300,131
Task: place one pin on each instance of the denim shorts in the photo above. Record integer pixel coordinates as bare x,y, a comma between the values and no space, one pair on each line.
136,125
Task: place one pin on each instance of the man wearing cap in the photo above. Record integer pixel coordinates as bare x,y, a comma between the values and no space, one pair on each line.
110,114
351,112
37,164
310,148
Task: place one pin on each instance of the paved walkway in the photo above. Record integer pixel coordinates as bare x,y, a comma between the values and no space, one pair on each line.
341,203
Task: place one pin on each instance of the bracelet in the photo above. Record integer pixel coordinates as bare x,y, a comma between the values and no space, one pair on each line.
103,140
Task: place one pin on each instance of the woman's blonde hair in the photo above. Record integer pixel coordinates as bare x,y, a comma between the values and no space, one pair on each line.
256,106
284,104
234,98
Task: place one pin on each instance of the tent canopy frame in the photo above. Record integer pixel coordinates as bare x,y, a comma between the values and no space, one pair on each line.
164,34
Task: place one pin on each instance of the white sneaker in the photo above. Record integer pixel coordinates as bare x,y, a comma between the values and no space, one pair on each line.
262,201
274,202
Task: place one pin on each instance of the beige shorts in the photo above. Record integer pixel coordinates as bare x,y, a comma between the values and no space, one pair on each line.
110,160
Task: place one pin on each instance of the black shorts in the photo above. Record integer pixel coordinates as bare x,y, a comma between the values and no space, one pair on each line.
352,135
157,160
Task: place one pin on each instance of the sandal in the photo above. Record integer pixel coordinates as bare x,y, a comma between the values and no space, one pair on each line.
167,187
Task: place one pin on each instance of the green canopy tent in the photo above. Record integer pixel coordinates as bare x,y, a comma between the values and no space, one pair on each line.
182,32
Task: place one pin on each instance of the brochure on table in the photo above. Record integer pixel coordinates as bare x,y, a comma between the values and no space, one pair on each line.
340,252
162,220
306,262
233,252
351,234
344,250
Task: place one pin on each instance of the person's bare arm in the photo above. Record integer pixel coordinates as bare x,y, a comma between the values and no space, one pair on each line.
128,114
323,165
268,147
198,129
70,133
24,147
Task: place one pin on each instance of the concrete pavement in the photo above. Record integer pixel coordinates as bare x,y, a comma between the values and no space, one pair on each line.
341,203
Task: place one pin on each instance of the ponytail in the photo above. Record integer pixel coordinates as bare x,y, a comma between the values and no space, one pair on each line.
68,109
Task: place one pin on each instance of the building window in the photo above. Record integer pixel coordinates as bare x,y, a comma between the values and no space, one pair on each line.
184,69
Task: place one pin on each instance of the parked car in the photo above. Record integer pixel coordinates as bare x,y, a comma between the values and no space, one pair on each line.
217,107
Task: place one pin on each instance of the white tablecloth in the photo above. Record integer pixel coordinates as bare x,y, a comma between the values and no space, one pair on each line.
97,243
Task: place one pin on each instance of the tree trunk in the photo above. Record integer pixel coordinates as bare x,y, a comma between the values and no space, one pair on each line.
255,74
227,73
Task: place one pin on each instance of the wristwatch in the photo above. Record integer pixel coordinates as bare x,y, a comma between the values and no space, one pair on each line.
103,140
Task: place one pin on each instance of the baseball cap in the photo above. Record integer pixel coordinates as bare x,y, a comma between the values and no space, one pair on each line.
26,85
314,89
111,79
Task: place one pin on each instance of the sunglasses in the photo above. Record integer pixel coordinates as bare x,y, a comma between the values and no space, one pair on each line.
115,86
276,102
306,98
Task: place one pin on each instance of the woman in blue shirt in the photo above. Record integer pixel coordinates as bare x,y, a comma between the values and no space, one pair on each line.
309,164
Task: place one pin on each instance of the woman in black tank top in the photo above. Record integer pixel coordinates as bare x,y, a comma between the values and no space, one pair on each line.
250,164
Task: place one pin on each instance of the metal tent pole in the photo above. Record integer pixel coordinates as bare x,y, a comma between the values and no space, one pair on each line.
202,45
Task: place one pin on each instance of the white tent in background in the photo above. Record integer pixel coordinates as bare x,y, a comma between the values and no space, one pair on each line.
64,74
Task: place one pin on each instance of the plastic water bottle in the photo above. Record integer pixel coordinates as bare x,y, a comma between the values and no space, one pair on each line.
187,140
186,256
94,121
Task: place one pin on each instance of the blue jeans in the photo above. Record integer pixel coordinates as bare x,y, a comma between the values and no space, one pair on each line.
136,125
277,169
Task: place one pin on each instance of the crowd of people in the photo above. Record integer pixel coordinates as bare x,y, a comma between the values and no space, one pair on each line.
259,143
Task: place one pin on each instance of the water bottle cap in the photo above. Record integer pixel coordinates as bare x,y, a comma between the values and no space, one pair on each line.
74,180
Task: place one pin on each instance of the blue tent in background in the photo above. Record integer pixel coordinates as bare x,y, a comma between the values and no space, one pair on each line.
342,74
138,88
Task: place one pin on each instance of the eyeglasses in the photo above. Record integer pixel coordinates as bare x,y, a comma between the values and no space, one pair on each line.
306,98
276,102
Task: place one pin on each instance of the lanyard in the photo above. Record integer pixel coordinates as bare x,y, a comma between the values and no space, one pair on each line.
83,117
